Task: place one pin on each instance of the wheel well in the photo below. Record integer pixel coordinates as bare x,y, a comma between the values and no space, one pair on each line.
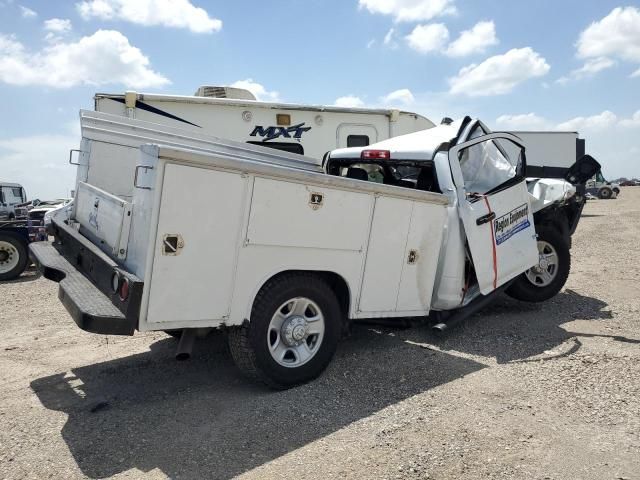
337,283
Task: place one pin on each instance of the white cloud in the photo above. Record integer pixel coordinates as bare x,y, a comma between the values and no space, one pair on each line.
428,38
167,13
615,36
27,12
349,101
106,57
526,121
258,90
499,74
635,74
476,40
589,69
634,121
389,39
410,10
595,122
402,96
33,161
371,43
57,25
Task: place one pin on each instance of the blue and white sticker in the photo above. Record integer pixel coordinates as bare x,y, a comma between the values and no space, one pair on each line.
511,223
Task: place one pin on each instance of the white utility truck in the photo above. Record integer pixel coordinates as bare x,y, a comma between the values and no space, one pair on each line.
198,233
235,114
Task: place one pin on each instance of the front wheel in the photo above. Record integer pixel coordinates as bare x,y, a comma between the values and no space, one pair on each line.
605,193
546,279
292,334
13,256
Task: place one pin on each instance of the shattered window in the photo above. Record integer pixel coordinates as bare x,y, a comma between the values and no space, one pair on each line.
487,165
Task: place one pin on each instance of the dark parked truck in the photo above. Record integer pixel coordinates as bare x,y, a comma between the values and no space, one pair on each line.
430,225
14,241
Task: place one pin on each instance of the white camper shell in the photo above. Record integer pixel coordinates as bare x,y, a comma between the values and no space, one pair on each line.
198,233
235,114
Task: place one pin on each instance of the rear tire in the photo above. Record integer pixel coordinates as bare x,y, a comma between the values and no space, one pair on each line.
544,281
293,332
13,256
605,193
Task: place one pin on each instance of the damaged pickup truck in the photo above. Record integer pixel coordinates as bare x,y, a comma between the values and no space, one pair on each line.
430,225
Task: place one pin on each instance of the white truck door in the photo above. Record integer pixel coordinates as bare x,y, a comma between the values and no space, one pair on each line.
493,203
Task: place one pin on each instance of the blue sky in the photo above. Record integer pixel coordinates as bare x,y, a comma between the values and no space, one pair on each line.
519,65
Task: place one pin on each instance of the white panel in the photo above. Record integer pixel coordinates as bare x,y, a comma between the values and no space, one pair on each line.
205,208
111,168
281,215
104,217
425,237
385,255
549,149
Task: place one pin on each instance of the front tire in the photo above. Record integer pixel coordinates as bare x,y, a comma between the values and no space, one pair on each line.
605,193
545,280
293,332
13,256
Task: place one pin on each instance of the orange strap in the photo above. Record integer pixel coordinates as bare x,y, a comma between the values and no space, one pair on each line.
493,246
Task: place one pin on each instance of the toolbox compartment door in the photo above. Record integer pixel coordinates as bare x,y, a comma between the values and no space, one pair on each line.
196,245
104,218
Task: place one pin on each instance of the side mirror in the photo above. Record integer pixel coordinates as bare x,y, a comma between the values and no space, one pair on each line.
583,170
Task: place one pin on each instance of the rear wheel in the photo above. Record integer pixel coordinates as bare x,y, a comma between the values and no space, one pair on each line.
605,193
546,279
13,256
292,334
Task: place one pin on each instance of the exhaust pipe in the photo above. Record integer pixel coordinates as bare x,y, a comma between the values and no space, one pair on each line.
185,345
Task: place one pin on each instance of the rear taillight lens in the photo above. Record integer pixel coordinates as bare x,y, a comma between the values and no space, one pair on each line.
124,289
375,155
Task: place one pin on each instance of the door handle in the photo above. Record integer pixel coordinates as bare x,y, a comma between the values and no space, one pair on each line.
485,218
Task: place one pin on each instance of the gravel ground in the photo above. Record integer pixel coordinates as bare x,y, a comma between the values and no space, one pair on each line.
548,391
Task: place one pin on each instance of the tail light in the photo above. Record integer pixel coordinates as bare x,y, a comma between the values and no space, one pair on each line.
375,155
124,289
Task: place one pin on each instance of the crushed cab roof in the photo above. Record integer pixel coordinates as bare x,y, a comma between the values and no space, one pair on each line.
420,145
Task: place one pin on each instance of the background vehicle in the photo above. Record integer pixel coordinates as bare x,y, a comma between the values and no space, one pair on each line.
235,114
11,195
601,188
287,254
14,241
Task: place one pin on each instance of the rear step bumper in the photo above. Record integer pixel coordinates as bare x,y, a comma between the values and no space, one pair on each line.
91,309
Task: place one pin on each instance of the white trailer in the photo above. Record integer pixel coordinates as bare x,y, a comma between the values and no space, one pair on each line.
550,154
205,233
234,114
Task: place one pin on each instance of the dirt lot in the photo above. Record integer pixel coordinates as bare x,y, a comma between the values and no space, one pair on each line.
520,391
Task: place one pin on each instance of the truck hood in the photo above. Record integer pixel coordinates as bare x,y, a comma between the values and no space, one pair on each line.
545,191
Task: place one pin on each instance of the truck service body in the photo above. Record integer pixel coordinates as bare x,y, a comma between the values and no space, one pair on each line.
283,253
235,114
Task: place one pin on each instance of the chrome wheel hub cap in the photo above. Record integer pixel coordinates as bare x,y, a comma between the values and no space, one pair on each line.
295,332
545,272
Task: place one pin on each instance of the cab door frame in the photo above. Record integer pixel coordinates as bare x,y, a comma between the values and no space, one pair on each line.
499,254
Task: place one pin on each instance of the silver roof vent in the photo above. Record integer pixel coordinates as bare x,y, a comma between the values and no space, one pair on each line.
212,91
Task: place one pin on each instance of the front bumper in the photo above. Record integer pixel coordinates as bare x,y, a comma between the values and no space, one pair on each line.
84,274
